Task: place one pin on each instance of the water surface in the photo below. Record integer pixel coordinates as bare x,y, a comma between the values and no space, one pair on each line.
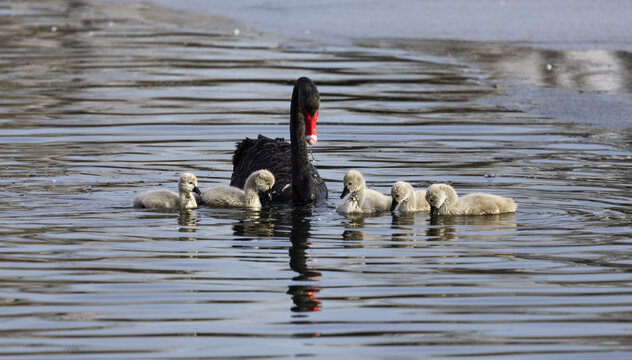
102,102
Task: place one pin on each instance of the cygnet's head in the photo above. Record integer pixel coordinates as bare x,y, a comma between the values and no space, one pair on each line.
188,183
400,192
436,196
353,181
264,181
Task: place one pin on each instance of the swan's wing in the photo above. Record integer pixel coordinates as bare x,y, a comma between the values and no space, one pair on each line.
273,155
319,184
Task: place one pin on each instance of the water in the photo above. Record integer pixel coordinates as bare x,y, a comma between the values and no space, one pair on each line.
101,102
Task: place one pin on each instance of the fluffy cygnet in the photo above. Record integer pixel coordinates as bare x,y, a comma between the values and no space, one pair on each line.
260,181
444,201
358,198
166,199
406,199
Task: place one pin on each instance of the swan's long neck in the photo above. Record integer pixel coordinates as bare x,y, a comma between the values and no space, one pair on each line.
251,193
187,200
302,181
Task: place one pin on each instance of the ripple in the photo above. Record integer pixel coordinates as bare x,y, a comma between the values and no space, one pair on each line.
113,103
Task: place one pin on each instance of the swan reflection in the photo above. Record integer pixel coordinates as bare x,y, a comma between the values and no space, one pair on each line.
408,227
293,224
303,296
251,223
449,227
187,221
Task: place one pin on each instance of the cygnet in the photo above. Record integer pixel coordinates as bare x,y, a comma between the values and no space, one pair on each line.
358,199
406,199
260,181
166,199
443,200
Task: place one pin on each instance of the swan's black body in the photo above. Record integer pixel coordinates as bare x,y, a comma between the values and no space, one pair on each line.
296,180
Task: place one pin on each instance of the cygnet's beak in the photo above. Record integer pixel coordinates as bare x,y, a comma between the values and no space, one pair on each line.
197,190
394,205
269,194
434,210
345,191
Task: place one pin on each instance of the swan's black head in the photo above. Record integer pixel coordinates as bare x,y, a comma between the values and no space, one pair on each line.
308,95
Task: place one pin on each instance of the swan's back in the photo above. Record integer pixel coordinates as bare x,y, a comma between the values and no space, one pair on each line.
262,153
484,204
274,155
164,199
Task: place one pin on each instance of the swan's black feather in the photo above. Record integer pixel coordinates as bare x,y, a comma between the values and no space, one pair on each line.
275,156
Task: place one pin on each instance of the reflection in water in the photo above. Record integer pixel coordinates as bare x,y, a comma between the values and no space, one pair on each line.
115,96
187,220
303,296
273,222
359,220
407,227
441,228
445,227
578,70
352,235
409,230
250,224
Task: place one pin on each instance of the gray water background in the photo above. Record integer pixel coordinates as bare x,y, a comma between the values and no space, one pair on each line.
100,102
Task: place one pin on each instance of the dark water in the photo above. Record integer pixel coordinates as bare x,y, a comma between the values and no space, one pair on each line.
101,102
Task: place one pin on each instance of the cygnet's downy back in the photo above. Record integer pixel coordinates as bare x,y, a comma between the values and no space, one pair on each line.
443,200
165,199
257,184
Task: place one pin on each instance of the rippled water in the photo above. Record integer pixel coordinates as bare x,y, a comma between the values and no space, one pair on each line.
101,102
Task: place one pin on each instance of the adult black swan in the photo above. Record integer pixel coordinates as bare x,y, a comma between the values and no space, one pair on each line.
296,180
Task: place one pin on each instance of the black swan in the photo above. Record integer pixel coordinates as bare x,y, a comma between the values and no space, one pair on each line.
296,180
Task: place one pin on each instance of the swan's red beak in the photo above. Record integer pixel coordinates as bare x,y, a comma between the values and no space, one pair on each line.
310,128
